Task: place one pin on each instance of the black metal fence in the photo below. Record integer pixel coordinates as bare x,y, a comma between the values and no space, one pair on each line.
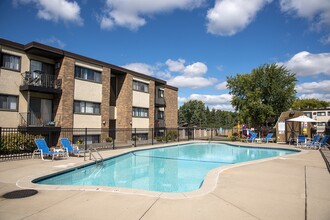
18,143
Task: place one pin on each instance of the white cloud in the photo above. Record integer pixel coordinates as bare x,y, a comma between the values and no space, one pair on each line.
318,90
131,14
140,68
231,16
195,82
54,41
56,10
308,64
221,102
222,86
325,39
195,69
317,11
176,65
314,87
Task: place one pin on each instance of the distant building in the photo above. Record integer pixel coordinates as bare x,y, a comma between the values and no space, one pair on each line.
45,86
322,117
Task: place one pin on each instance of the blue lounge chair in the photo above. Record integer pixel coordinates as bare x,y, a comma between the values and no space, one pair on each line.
251,138
268,138
301,139
322,142
68,147
312,142
44,150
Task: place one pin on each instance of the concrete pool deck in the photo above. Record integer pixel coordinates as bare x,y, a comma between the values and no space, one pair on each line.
289,187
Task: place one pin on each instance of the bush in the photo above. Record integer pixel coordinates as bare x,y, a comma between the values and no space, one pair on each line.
171,135
17,143
108,139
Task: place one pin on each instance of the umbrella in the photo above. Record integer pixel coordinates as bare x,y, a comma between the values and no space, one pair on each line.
302,118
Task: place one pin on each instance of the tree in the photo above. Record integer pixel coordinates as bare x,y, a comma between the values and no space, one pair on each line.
300,104
194,113
262,94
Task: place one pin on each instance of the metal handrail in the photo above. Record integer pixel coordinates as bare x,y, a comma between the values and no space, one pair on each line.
41,79
91,150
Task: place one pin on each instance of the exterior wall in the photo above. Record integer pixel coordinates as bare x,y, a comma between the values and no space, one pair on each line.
151,106
140,122
86,121
92,94
124,106
171,110
9,119
64,108
105,102
140,99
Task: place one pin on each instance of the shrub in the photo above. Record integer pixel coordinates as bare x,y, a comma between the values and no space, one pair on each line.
17,143
108,139
171,135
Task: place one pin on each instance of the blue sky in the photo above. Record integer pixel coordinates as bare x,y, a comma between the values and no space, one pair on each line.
192,44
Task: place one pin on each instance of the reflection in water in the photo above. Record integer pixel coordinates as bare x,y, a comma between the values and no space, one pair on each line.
173,169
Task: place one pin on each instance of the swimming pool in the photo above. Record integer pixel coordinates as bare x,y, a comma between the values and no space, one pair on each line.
180,168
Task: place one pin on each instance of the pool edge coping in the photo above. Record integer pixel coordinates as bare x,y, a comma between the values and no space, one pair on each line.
209,184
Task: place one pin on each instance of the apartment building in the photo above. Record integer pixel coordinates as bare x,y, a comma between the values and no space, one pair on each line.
46,86
322,117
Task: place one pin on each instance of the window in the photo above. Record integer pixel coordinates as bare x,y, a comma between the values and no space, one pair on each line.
87,74
320,113
8,102
328,113
321,123
140,86
160,93
160,115
45,68
140,136
308,114
11,62
86,107
140,112
91,139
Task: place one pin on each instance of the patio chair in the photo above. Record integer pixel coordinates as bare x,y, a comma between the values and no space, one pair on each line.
44,150
268,138
251,138
301,139
66,144
312,142
322,142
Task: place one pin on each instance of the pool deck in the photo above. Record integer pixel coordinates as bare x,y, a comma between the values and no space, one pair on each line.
287,187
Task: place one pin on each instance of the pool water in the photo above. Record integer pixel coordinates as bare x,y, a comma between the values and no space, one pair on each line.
179,168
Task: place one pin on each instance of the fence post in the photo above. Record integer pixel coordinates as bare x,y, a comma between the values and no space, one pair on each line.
85,140
152,136
211,134
178,134
134,137
193,134
166,135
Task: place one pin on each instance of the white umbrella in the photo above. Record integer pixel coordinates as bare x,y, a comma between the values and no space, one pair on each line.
302,118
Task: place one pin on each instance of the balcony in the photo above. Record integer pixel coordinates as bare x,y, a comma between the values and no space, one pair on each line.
159,123
40,82
33,119
160,102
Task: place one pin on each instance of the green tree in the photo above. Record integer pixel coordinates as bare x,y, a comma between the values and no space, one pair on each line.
301,104
192,113
262,94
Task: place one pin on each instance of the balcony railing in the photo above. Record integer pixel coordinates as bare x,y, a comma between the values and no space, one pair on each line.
40,79
159,123
160,101
37,119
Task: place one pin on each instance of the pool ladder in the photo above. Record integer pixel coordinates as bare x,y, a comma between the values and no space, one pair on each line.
92,156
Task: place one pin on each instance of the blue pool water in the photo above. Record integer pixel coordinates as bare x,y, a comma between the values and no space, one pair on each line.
179,168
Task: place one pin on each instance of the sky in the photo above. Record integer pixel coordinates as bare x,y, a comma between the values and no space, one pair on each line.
192,44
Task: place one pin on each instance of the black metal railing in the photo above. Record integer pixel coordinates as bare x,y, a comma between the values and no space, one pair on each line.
37,119
40,79
20,141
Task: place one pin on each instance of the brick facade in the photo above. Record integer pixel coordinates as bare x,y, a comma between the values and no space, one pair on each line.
105,104
171,110
65,105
